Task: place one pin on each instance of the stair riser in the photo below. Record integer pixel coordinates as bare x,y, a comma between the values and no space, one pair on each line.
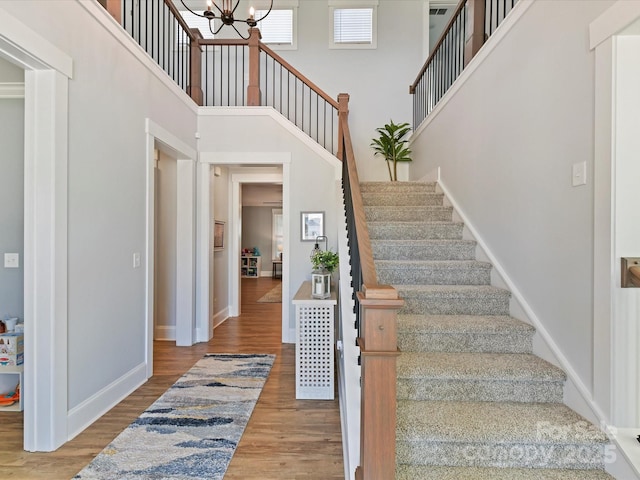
500,455
480,390
402,199
455,305
436,276
418,214
426,231
448,342
459,251
397,187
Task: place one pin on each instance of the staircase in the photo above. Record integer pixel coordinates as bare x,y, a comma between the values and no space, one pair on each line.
473,401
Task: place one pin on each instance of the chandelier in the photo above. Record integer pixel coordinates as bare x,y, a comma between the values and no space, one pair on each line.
223,10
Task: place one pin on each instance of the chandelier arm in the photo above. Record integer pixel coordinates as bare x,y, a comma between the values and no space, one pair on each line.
196,14
218,8
219,28
238,32
268,12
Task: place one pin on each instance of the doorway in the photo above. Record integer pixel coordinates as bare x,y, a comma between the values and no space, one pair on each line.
241,169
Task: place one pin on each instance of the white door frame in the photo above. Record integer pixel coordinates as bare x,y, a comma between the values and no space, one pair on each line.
185,236
47,71
244,159
616,310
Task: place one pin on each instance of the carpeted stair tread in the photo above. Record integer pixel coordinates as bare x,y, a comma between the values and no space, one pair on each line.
438,213
494,422
435,249
415,230
433,272
402,199
482,377
454,299
394,187
461,324
415,472
464,333
477,366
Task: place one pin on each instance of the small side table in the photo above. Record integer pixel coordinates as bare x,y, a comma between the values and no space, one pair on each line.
314,344
277,269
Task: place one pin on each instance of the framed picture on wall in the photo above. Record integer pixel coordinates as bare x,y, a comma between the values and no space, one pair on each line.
218,236
312,226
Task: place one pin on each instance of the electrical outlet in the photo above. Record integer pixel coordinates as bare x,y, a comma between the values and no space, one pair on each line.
11,260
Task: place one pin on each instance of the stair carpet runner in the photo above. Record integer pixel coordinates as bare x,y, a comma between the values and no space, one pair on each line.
473,402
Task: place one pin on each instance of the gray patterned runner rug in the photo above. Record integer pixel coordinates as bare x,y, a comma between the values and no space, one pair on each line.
192,430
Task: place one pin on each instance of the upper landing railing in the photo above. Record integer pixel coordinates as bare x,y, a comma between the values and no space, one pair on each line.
471,24
228,72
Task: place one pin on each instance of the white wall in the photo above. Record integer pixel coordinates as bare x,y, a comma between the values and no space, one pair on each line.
12,205
164,308
109,98
377,79
505,142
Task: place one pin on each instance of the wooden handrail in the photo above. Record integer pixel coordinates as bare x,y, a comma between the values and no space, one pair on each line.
634,276
223,41
180,20
297,73
460,6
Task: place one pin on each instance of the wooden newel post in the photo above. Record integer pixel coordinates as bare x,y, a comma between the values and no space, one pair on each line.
379,350
475,29
343,111
253,90
195,74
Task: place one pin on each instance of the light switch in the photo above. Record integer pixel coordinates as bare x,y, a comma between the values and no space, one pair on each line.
11,260
579,174
136,260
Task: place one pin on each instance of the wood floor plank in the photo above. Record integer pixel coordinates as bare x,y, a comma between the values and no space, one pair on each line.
286,439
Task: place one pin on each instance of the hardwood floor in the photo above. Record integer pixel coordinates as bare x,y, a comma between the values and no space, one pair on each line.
285,438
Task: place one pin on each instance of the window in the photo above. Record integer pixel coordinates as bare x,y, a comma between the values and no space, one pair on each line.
353,24
277,28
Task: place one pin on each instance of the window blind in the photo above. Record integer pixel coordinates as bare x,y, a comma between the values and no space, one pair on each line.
353,25
277,27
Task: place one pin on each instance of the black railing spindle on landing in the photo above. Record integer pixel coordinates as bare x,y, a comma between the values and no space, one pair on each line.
472,22
157,27
224,67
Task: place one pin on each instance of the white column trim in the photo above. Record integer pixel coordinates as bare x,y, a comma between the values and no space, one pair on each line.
185,253
204,265
45,260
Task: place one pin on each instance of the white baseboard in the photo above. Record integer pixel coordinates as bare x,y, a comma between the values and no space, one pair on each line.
220,317
94,407
164,332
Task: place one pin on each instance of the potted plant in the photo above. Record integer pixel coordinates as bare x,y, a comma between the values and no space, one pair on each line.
324,263
392,145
